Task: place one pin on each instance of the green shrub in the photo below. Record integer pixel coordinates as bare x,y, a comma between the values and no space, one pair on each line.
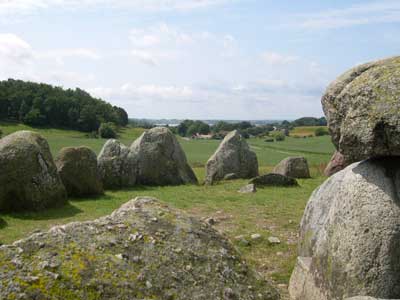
107,131
278,136
321,131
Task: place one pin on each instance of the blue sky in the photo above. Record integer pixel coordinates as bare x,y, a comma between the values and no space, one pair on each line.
201,59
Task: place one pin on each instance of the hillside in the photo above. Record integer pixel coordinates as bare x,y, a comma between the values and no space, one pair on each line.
41,104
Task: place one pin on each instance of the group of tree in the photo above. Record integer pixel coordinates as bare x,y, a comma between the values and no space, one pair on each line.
190,128
39,104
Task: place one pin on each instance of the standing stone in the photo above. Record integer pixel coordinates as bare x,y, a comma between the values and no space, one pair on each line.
336,164
127,255
160,160
28,175
350,235
116,171
295,167
232,156
362,108
78,171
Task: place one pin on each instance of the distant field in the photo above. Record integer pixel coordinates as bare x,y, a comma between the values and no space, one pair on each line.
317,150
305,130
59,138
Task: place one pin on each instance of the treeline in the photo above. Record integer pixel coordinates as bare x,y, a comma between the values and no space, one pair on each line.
190,128
39,104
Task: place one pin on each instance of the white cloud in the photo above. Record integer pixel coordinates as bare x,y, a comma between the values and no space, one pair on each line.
274,58
14,49
9,8
385,11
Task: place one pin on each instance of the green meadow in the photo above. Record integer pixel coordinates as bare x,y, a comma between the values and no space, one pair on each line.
269,212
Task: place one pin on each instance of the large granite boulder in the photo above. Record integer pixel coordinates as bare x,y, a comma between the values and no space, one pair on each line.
28,175
350,235
336,164
363,110
295,167
144,250
77,167
273,179
160,160
233,156
116,171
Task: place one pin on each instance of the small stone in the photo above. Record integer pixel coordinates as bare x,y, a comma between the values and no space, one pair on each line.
244,242
119,256
274,240
248,189
255,236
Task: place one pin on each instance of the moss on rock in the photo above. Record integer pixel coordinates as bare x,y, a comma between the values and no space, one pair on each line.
144,250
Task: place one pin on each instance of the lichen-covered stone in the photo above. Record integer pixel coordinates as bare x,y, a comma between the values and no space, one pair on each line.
160,160
232,156
350,233
273,179
116,171
362,107
28,175
77,167
336,164
295,167
144,250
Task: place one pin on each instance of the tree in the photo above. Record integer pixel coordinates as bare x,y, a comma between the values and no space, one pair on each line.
54,106
278,136
34,118
320,131
107,130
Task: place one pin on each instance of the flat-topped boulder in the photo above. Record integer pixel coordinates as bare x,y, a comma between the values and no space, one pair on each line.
295,167
336,164
362,108
77,167
349,235
159,159
273,179
116,171
233,156
144,250
28,176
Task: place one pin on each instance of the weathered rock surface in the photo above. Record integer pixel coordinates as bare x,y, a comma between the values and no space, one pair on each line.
230,176
336,164
363,110
160,160
295,167
350,235
116,171
28,176
232,156
273,179
144,250
248,189
77,167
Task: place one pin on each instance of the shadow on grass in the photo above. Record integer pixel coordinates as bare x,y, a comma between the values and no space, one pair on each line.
65,211
2,223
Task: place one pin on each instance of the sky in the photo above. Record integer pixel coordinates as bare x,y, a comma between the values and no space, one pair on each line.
198,59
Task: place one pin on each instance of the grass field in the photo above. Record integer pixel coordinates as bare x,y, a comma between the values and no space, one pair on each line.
270,212
305,130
